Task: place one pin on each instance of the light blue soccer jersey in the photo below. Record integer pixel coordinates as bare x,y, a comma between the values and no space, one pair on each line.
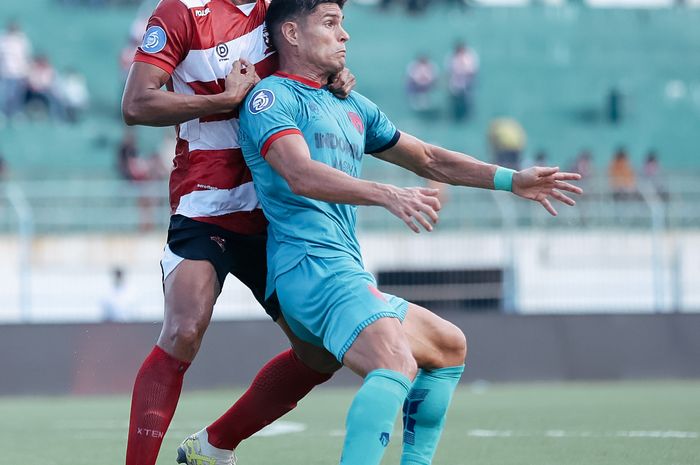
338,132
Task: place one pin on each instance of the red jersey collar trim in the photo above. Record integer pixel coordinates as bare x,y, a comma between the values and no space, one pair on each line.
301,79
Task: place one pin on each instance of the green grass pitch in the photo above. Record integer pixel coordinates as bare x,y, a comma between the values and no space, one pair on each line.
627,423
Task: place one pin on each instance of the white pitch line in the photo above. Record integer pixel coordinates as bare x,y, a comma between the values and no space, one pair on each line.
486,433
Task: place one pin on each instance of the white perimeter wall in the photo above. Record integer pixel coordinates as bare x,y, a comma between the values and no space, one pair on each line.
556,272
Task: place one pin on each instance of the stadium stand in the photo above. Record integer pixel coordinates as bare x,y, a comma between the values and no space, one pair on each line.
549,68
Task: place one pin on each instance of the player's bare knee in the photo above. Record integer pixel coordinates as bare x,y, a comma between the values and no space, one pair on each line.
452,348
183,339
458,348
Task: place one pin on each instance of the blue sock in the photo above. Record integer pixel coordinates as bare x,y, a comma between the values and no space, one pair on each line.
424,413
372,416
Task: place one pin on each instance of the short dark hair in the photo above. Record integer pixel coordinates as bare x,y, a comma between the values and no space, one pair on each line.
281,11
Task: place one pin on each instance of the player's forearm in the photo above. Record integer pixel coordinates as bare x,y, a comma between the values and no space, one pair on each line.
457,169
322,182
155,107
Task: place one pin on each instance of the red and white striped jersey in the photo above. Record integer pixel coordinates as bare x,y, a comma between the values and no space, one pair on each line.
196,42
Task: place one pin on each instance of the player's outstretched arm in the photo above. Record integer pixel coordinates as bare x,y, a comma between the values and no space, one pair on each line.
145,103
442,165
289,156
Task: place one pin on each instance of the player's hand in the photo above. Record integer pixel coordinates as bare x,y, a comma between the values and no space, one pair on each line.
415,205
539,184
238,83
342,84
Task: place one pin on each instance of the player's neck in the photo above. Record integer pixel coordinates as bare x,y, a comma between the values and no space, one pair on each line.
242,2
305,71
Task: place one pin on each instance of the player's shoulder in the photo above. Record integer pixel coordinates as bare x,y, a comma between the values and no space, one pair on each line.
361,102
268,93
180,6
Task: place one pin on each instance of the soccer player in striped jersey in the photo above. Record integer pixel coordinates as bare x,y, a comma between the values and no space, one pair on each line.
209,54
305,151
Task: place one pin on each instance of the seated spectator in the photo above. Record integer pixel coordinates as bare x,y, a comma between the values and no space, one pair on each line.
462,67
651,173
3,168
41,88
507,140
583,164
623,182
421,77
74,94
130,166
15,51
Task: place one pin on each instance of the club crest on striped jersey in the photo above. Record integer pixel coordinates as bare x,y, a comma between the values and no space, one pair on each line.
261,101
222,51
357,122
154,40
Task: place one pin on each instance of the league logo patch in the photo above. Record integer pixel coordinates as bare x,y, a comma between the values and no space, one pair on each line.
357,122
154,40
261,101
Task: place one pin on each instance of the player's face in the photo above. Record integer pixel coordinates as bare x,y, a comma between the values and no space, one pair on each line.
322,38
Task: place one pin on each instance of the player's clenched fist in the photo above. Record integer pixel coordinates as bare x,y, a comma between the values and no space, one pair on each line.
414,205
239,81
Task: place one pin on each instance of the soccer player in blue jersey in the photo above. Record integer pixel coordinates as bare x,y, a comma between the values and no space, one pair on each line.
305,149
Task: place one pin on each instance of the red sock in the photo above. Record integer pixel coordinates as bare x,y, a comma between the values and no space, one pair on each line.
156,392
276,389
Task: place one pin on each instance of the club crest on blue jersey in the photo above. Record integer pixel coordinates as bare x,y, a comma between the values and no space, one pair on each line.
154,40
357,122
261,101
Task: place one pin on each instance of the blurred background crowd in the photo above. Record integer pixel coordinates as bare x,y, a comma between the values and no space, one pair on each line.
607,88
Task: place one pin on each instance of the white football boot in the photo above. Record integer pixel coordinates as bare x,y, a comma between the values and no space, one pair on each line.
196,450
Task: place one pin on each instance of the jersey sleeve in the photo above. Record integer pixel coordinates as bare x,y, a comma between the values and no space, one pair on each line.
268,114
380,132
167,39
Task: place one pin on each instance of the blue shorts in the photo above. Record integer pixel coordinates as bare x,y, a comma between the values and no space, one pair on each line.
329,301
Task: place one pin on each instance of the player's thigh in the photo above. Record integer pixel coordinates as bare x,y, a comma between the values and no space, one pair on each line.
382,344
328,301
249,266
434,341
315,357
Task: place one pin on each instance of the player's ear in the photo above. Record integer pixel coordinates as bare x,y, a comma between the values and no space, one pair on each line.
290,31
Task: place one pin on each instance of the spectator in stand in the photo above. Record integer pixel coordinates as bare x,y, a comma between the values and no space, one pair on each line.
74,96
652,173
130,166
507,140
421,77
583,164
623,181
119,302
538,159
462,68
15,52
41,88
126,57
3,168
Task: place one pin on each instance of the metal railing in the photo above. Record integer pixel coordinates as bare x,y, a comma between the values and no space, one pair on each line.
68,206
34,209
